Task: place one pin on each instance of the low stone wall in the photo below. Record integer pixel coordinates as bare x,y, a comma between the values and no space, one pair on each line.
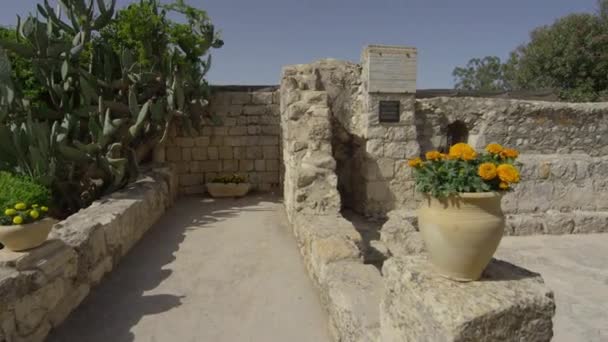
243,138
330,245
39,288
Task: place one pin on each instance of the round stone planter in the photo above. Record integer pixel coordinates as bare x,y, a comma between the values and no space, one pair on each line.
462,232
26,236
228,189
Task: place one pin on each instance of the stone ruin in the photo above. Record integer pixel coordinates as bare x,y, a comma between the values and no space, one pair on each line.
347,132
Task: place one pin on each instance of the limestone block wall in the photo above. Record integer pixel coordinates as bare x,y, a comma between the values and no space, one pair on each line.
40,287
243,139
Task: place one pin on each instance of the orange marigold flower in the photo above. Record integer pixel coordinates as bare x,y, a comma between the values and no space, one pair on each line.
487,171
462,151
507,173
469,155
509,153
503,185
433,155
416,162
494,148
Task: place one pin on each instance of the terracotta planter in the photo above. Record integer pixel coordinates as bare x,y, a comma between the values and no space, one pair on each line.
228,190
26,236
461,233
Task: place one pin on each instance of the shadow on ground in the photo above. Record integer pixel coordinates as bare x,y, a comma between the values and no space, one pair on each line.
120,301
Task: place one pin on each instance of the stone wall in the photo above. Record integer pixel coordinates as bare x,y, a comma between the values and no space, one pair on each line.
243,138
564,149
330,245
39,288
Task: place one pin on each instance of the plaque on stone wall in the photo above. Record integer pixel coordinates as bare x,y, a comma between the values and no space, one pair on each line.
390,69
389,111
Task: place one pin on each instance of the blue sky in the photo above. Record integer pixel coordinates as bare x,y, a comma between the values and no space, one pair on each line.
263,35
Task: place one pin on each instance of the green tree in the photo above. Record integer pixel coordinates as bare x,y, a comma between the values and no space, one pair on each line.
485,74
570,56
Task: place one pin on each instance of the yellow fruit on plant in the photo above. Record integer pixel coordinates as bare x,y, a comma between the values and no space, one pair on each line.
20,206
487,171
10,212
507,173
17,220
44,209
494,148
34,214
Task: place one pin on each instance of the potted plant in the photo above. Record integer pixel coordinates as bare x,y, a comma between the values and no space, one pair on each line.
24,221
460,218
228,186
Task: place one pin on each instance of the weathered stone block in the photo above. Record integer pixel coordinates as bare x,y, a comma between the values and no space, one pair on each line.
184,141
255,110
508,304
260,165
399,234
225,152
174,154
199,153
261,97
353,293
271,152
240,98
212,153
201,141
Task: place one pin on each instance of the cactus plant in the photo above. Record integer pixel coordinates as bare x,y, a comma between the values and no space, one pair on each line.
106,108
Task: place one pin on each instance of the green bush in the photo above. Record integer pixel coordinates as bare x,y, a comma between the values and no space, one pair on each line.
18,189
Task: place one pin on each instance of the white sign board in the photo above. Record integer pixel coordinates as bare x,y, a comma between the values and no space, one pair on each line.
390,69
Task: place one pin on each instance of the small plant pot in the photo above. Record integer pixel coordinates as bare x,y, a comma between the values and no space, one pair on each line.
219,190
462,232
26,236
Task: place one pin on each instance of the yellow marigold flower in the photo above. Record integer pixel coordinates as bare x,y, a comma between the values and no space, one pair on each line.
487,171
462,151
509,153
433,155
34,214
20,206
10,212
503,185
17,220
416,162
469,155
507,173
44,209
494,148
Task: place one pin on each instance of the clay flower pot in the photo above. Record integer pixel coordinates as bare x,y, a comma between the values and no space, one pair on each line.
26,236
462,232
228,189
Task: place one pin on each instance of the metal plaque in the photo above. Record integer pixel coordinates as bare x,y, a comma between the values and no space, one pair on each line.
389,111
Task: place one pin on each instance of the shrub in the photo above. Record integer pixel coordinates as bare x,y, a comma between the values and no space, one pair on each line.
20,196
237,179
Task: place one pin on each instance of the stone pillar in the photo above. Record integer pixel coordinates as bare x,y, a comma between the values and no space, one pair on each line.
508,304
389,131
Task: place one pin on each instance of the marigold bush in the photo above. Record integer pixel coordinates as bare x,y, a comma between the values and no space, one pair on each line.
465,170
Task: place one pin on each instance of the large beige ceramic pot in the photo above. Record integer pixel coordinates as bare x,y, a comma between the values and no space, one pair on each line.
26,236
462,232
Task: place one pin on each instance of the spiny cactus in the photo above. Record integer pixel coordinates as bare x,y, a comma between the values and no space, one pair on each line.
105,110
